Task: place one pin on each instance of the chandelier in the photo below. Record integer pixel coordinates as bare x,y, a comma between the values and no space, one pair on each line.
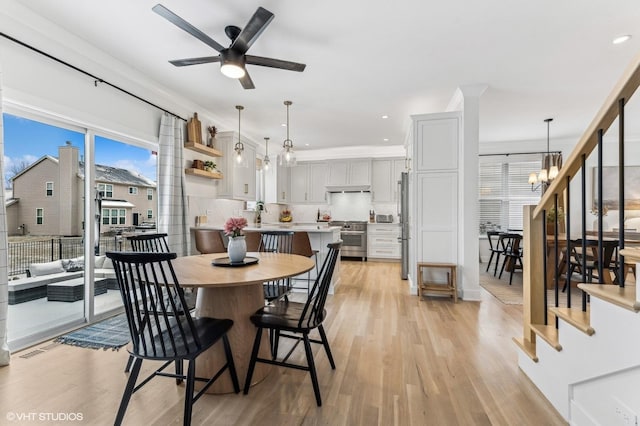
266,162
550,170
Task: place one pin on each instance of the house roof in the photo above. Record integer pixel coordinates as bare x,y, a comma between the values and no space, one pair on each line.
108,174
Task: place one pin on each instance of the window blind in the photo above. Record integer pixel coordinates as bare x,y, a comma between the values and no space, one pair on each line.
504,190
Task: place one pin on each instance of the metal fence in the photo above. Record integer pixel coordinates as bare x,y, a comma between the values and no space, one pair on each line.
24,253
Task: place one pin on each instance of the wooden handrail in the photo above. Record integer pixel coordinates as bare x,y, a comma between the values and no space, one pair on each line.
624,89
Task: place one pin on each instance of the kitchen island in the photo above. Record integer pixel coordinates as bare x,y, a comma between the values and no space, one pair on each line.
320,234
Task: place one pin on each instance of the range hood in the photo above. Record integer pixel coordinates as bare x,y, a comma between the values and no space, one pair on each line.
348,188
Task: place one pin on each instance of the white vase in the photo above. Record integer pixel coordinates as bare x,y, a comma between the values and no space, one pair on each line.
237,249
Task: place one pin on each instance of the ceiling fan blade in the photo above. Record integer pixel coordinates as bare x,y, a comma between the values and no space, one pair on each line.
184,25
252,30
246,81
274,63
195,61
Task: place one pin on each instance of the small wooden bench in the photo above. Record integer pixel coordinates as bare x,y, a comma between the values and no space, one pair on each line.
449,287
72,290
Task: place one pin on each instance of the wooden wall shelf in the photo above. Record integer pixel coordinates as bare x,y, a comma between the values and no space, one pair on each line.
202,149
203,173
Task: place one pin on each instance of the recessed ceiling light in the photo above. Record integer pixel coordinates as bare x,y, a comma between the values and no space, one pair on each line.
386,139
621,39
284,124
306,144
385,116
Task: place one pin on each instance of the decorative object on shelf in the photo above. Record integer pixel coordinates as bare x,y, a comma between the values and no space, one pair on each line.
212,136
239,146
551,163
237,246
266,162
198,164
287,155
209,166
194,129
260,207
285,216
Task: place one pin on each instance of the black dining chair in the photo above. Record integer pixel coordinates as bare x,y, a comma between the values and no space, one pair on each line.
494,249
296,320
156,243
161,329
588,262
512,253
276,242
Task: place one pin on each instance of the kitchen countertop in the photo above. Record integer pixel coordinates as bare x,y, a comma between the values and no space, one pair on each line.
306,227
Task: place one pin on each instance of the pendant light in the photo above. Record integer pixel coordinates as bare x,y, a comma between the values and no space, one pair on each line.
287,155
550,171
239,146
266,162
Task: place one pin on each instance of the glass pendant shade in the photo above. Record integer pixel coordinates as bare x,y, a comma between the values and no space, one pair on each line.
266,162
287,157
238,148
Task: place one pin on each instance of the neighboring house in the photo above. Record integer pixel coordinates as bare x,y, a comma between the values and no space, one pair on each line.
48,197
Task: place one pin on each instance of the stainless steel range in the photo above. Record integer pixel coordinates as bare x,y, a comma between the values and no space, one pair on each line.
354,238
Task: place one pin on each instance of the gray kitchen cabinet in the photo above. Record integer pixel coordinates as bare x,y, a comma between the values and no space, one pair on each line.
308,182
350,172
238,183
385,174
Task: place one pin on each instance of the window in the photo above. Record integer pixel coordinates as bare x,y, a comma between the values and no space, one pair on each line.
133,190
39,216
149,214
106,189
105,216
504,189
118,216
49,188
149,194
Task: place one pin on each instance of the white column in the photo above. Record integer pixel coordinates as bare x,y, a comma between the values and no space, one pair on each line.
468,235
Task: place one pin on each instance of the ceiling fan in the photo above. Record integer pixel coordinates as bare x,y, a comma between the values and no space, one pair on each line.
233,58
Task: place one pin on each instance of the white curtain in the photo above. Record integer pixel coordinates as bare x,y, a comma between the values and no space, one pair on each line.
172,218
4,254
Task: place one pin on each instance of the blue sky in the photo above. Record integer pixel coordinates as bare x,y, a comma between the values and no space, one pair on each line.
27,140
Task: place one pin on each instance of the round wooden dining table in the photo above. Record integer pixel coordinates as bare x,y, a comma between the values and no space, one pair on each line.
234,292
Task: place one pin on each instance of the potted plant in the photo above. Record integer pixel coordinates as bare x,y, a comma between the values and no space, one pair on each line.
209,166
551,220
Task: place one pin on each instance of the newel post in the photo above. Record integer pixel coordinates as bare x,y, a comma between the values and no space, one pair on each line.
533,291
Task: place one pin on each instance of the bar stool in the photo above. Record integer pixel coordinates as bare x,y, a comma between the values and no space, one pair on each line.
301,245
208,241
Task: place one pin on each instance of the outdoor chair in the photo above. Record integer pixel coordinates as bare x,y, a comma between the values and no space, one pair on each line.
295,320
161,330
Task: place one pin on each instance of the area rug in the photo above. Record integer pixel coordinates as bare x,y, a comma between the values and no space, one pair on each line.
501,290
112,333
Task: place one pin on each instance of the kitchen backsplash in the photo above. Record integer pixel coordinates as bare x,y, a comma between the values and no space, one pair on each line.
342,206
218,211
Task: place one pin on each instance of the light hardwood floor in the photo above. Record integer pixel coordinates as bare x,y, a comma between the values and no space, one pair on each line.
400,361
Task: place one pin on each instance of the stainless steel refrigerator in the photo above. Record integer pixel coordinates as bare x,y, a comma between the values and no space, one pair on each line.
403,216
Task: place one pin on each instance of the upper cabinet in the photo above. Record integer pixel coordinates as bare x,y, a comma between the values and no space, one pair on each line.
308,182
437,144
385,174
277,189
350,172
239,182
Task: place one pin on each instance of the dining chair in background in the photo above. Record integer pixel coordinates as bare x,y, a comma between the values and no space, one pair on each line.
588,262
294,320
209,241
512,253
495,249
301,245
161,329
276,242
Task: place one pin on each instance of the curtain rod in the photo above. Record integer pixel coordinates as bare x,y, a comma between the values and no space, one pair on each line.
506,154
97,79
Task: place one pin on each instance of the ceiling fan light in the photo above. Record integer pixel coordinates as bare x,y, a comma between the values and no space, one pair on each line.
232,70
